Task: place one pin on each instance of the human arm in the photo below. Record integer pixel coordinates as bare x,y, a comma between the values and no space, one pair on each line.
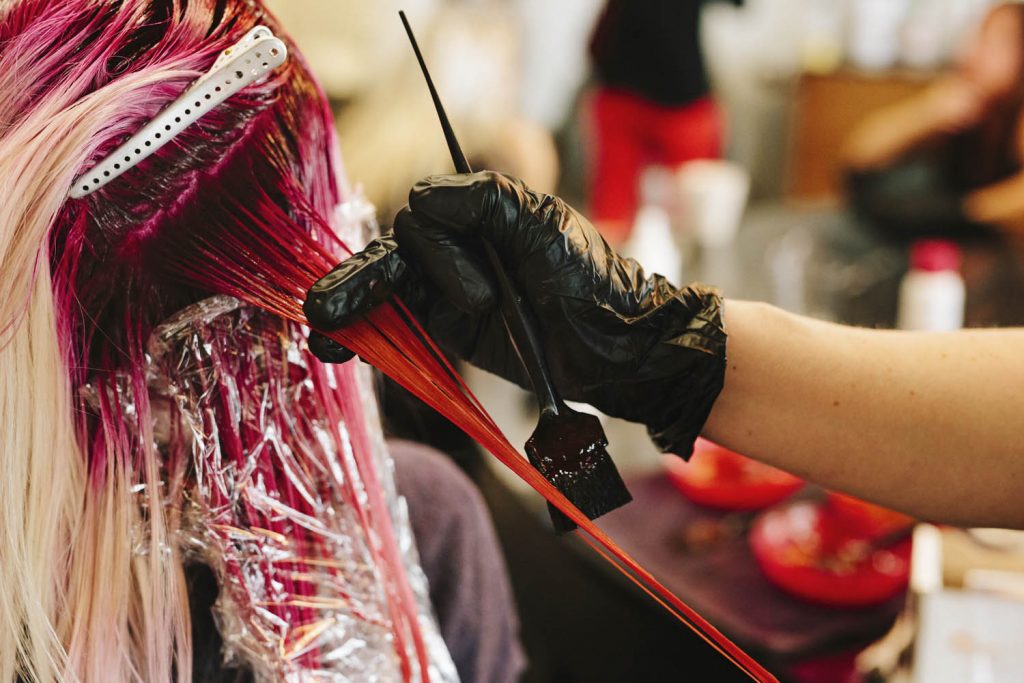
892,180
926,423
889,133
1000,204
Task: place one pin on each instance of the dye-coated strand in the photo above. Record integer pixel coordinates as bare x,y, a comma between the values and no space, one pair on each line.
273,270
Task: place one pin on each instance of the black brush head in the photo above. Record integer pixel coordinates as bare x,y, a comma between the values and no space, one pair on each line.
569,450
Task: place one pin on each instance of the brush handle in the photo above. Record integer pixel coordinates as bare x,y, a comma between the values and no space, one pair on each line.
519,320
522,330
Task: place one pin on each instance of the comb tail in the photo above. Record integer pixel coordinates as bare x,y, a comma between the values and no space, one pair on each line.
458,158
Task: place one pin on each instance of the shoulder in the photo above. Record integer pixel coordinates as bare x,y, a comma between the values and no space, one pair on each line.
421,471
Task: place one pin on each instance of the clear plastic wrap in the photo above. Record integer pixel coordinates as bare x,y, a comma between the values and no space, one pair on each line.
289,497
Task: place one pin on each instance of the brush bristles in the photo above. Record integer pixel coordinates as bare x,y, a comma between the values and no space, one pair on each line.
596,490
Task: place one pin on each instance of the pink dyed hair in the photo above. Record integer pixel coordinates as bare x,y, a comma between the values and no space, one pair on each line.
77,77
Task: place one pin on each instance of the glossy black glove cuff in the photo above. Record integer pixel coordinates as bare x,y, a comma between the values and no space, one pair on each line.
694,346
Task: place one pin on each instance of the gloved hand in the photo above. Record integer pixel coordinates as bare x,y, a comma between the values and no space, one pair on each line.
635,347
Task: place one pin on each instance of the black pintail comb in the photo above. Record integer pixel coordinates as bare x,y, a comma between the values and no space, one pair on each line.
568,448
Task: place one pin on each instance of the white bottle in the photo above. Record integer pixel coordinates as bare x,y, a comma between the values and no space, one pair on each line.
652,243
932,292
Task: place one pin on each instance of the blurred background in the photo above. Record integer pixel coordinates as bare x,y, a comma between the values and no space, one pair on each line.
853,160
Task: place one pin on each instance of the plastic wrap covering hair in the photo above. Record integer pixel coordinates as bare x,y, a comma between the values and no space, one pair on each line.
291,502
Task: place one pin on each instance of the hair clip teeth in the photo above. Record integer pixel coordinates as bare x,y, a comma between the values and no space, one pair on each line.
247,62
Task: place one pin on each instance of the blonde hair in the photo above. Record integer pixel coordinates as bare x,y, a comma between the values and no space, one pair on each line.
76,605
79,601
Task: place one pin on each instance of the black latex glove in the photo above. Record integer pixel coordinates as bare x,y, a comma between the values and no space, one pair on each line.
635,347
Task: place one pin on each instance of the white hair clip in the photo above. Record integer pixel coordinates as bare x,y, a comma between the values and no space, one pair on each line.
242,64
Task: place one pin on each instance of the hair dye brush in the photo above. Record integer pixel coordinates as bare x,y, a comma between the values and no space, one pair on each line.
567,447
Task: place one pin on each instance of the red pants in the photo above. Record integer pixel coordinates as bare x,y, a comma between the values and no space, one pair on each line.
631,133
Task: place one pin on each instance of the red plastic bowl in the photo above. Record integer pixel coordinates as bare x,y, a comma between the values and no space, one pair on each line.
817,552
719,478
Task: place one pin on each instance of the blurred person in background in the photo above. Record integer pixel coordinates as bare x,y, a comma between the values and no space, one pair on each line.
652,106
950,158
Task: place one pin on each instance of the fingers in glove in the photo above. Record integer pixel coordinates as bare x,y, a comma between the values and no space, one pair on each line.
445,258
328,350
487,204
356,286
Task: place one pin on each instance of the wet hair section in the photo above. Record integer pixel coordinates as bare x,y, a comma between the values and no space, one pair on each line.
86,290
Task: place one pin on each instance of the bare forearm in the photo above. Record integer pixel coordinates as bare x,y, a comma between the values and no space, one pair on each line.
886,135
999,204
930,424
